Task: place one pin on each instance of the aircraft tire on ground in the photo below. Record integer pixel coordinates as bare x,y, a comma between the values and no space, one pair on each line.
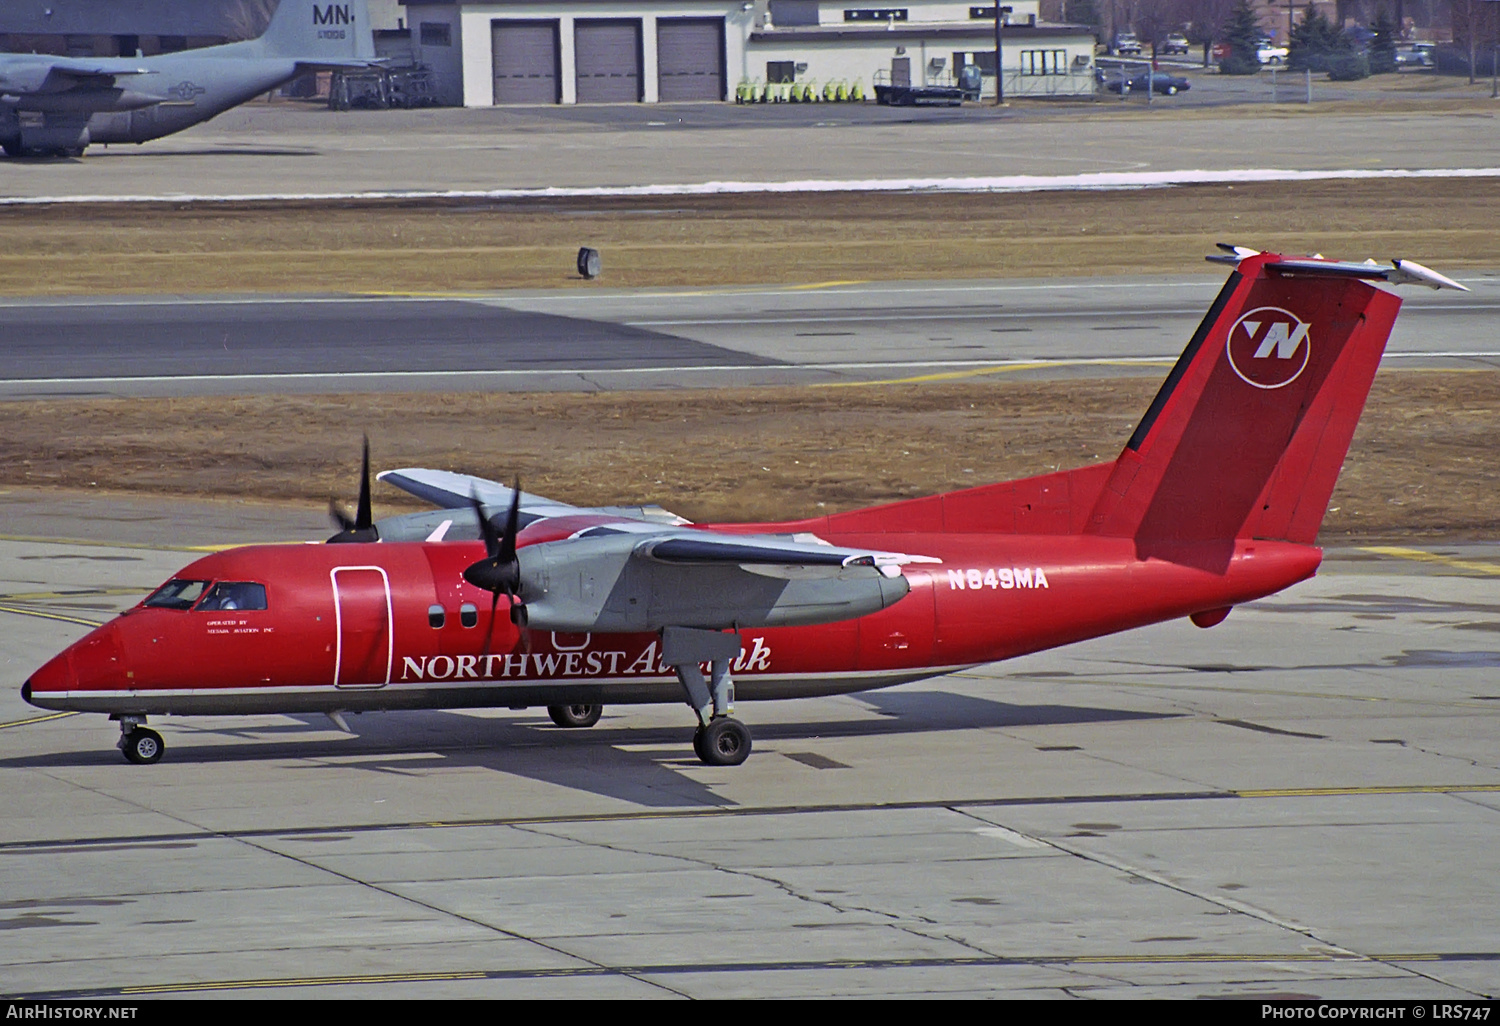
724,742
142,746
698,749
575,715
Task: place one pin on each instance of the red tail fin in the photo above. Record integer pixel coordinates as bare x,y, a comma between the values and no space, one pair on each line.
1248,434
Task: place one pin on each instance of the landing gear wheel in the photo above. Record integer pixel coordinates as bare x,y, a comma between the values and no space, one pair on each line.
142,746
724,742
575,715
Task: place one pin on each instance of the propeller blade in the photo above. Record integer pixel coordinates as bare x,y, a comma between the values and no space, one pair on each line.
500,570
361,526
512,520
340,517
364,517
486,529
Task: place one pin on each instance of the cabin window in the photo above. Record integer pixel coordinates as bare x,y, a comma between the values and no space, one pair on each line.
435,617
468,614
178,593
233,595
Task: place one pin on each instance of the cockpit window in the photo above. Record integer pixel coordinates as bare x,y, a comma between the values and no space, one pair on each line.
178,593
233,595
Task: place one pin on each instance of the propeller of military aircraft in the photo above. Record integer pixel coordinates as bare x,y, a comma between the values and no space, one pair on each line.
500,570
361,526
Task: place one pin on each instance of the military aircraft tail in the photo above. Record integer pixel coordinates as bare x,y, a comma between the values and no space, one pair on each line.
1247,435
315,31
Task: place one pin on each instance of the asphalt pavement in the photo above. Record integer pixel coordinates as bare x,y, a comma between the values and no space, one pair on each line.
588,339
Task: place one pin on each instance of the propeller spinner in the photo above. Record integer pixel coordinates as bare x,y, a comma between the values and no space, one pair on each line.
500,570
360,527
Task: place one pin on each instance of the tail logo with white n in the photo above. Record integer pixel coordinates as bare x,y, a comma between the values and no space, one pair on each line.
1269,347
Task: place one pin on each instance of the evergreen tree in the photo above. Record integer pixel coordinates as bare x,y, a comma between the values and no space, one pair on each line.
1243,34
1315,41
1383,46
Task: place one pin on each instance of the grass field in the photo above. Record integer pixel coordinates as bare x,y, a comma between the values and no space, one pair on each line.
456,247
1425,462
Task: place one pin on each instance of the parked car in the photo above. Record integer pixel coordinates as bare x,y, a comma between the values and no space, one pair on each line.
1126,44
1161,83
1267,52
1175,42
1414,56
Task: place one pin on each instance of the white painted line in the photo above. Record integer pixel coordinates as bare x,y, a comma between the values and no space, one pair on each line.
997,183
1010,836
595,372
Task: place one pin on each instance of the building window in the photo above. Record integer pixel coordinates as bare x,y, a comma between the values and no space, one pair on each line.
781,72
984,60
875,14
1044,62
436,33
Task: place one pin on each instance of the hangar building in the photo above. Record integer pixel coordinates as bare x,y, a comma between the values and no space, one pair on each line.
487,52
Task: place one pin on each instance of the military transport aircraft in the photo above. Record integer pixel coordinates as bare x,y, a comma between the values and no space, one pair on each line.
1215,500
57,106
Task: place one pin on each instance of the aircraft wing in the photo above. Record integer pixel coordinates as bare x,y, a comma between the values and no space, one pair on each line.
25,74
632,576
448,490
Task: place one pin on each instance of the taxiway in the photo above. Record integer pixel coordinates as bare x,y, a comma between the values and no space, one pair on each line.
1304,800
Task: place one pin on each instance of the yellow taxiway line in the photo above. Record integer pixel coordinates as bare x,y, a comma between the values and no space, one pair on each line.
51,616
979,371
37,719
1422,556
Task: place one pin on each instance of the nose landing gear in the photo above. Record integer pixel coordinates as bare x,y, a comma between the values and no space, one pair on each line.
140,745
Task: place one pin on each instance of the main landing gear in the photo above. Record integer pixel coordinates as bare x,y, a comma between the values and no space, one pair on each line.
720,739
140,745
575,715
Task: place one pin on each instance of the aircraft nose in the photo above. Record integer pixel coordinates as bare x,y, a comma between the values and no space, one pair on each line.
48,687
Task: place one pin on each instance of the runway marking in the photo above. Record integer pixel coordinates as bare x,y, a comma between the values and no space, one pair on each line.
1422,556
1338,792
789,965
597,373
827,285
1087,181
95,543
1005,369
52,616
38,719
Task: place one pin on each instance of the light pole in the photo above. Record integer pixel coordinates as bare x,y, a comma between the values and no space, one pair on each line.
1494,51
999,48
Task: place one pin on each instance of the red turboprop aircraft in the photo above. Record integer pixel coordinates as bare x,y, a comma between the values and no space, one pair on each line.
1216,500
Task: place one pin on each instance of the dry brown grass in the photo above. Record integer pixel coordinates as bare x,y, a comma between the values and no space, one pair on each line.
403,247
1426,460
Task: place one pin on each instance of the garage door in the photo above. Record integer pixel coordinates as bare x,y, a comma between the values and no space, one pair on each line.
690,58
608,57
525,54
